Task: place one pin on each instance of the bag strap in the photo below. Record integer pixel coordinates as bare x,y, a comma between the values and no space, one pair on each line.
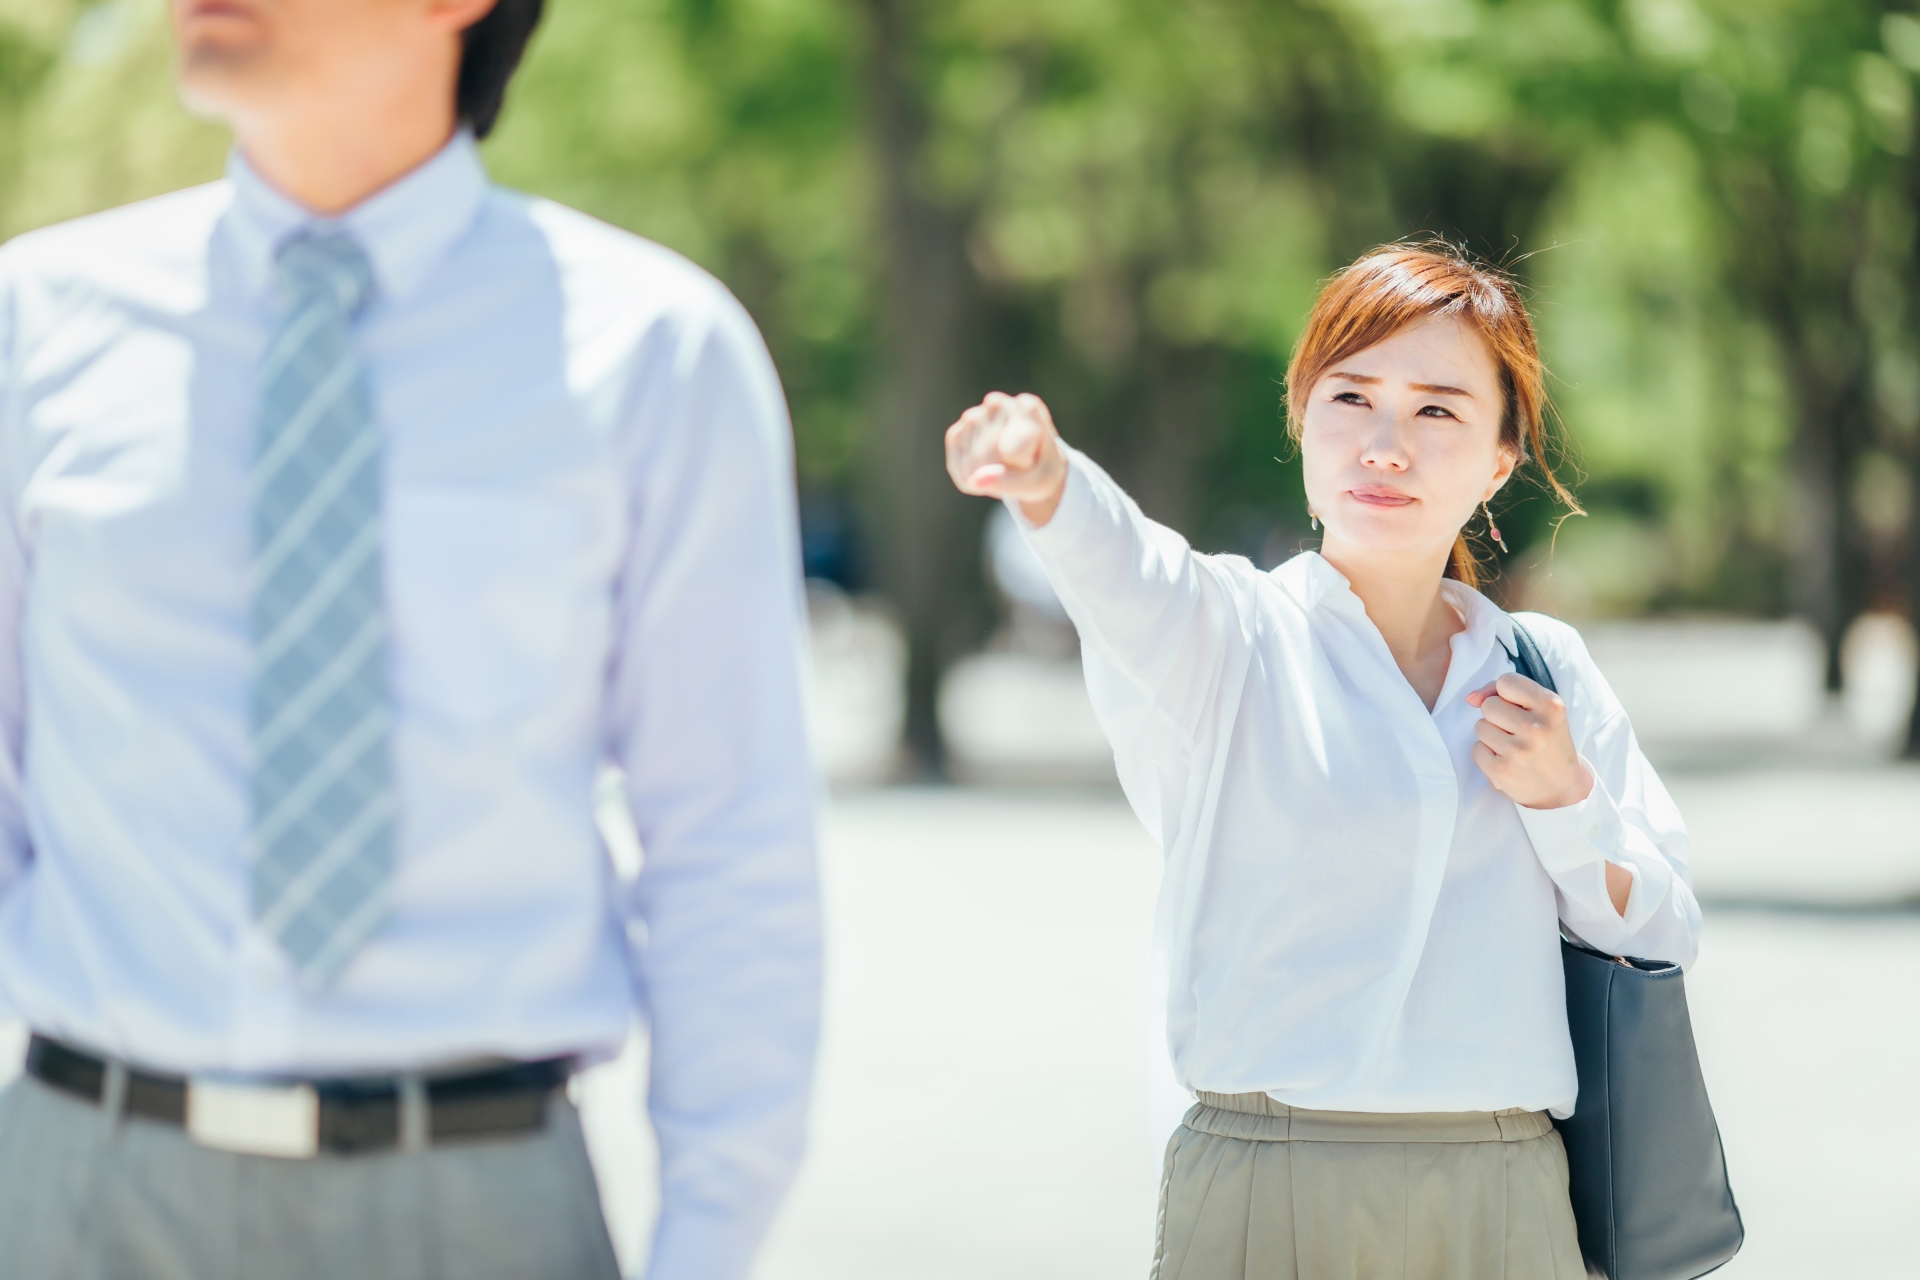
1527,660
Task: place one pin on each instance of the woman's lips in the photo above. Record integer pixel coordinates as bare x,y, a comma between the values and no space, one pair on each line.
1379,496
218,9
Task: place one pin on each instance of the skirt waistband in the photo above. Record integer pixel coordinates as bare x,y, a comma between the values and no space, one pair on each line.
1257,1118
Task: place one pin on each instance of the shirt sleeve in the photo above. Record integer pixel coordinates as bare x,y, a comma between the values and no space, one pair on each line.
1161,617
1628,819
706,718
14,848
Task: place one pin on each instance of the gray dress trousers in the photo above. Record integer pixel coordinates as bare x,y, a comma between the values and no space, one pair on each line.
85,1195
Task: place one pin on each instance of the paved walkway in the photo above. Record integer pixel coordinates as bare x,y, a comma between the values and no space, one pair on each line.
990,1106
1813,834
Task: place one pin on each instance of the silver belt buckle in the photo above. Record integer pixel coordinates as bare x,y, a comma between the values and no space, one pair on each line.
254,1119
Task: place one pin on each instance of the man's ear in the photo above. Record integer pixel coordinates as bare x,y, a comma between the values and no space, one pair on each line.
456,16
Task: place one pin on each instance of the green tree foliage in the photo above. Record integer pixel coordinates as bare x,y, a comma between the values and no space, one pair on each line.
1127,205
730,130
1791,125
98,124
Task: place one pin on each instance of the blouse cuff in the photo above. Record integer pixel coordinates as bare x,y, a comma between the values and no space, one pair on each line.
1069,518
1576,842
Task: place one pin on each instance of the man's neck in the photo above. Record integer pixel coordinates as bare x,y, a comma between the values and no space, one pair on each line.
329,166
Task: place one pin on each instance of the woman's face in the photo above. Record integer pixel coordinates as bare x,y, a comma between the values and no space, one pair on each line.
1401,442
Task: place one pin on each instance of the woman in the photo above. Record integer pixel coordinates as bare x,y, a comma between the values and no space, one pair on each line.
1374,827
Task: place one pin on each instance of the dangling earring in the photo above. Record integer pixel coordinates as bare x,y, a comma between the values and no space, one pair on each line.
1313,520
1493,530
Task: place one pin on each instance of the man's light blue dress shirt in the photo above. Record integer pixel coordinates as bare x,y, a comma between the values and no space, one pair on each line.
590,555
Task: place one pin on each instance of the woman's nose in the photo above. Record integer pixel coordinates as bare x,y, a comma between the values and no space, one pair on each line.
1385,447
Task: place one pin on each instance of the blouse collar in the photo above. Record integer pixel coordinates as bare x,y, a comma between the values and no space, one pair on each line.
1316,584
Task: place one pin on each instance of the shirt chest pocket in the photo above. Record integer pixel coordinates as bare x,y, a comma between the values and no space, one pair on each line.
499,602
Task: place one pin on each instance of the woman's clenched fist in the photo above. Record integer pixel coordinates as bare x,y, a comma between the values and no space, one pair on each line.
1007,447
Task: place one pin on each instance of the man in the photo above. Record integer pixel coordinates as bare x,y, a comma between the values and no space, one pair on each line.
353,512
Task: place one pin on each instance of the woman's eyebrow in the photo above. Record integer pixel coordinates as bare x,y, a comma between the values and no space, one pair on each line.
1430,388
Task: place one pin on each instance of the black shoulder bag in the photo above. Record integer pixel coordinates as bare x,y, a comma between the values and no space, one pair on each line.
1649,1177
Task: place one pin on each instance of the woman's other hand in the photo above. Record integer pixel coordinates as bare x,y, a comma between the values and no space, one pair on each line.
1525,747
1527,753
1007,447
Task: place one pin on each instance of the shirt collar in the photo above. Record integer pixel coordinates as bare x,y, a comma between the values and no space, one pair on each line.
1487,623
406,228
1313,582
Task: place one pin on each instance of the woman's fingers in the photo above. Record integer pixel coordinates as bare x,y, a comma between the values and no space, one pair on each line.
1517,704
1522,692
1019,441
1512,718
998,448
985,479
1525,747
973,452
1517,689
1023,426
1036,409
1494,737
1488,760
960,448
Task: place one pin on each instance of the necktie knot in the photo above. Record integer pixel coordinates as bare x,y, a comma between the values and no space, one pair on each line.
330,263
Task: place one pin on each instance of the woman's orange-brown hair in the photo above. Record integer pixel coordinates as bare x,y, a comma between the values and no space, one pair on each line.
1396,285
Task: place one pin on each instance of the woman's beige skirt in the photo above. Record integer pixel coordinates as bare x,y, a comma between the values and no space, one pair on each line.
1256,1190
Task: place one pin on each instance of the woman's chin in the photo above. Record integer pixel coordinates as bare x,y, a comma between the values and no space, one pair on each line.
1372,536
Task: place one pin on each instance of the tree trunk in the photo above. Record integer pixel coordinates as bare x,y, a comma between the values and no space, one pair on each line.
1911,748
925,559
1814,537
1182,426
1822,341
1789,274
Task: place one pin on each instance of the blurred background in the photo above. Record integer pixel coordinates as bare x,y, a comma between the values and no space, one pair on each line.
1126,206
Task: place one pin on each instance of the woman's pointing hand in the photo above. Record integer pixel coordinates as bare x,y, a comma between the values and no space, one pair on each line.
1007,447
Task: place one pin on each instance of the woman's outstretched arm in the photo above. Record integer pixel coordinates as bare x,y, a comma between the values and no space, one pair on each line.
1160,616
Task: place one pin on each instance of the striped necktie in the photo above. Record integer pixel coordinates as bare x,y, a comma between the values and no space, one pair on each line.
322,788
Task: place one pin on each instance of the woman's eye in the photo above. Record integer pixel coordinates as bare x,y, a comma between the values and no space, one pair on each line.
1349,397
1435,411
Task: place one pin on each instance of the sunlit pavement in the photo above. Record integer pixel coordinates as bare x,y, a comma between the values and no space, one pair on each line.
985,1107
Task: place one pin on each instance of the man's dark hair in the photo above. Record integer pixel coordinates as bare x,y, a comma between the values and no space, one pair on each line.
490,50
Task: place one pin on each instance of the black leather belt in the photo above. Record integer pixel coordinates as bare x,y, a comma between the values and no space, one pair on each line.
339,1116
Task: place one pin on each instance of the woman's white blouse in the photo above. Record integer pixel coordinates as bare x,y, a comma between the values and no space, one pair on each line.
1351,917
